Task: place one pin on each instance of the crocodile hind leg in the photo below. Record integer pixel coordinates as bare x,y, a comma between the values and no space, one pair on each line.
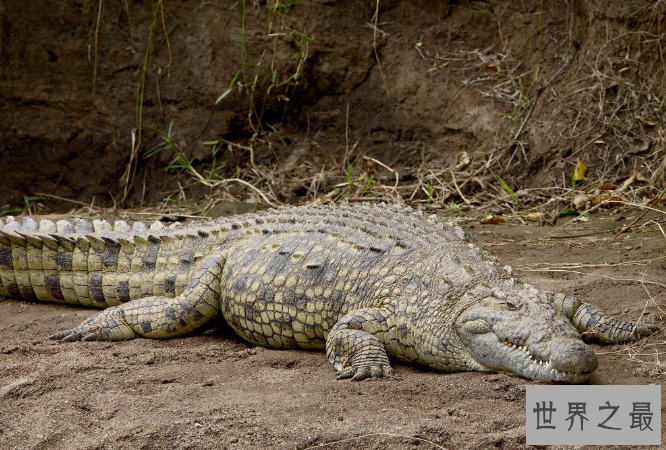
355,345
594,324
157,317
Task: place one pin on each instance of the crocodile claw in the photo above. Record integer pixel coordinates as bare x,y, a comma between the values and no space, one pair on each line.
80,333
65,336
105,326
645,329
363,372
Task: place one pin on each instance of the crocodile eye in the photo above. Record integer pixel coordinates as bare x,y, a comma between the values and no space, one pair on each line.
510,306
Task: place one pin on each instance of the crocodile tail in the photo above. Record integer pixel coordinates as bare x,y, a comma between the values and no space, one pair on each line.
88,263
594,324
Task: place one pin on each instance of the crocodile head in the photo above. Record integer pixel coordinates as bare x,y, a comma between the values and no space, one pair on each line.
518,332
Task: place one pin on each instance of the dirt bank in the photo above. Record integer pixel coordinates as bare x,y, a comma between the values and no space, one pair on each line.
524,88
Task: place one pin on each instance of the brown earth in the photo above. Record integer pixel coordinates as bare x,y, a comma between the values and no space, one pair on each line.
215,391
524,87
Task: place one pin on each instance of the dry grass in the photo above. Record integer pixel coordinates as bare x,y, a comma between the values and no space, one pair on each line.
619,137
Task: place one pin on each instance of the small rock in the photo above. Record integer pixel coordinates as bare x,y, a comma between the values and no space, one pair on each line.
197,425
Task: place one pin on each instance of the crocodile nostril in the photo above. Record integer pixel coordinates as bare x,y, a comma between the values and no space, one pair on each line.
573,356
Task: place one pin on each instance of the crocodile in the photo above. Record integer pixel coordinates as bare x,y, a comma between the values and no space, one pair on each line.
365,283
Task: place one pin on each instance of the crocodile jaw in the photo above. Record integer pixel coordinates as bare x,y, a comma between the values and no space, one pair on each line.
540,370
530,347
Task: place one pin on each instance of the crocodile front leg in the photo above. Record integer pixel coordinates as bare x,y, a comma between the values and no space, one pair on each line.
157,317
594,324
355,345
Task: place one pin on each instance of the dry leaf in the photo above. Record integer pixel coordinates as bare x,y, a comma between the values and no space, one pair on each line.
639,176
611,200
628,182
611,85
581,169
462,160
494,65
581,202
493,220
639,147
534,217
607,187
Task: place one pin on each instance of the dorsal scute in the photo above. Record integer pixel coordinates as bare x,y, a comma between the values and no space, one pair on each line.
47,227
315,262
82,226
101,226
13,238
64,227
29,225
111,241
82,243
7,232
120,226
33,240
96,242
11,225
65,242
157,226
139,227
49,241
127,244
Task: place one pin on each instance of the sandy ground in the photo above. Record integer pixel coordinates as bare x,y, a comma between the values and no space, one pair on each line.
215,391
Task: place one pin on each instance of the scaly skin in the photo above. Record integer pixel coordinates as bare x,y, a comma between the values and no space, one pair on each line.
365,283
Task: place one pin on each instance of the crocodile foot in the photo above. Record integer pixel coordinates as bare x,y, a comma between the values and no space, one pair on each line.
109,325
361,372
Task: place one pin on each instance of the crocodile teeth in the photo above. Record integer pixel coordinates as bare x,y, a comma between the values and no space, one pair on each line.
525,350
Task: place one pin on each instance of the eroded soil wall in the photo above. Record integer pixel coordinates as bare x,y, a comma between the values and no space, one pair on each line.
525,88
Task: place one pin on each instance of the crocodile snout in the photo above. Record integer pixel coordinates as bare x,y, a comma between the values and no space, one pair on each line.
572,355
